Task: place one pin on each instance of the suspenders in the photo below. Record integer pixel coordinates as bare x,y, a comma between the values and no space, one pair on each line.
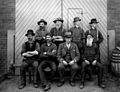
97,33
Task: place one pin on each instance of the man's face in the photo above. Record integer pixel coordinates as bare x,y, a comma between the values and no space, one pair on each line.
42,25
68,40
93,25
48,38
77,23
30,37
89,40
58,24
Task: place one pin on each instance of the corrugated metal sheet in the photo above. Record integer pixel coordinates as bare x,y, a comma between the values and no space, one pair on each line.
28,12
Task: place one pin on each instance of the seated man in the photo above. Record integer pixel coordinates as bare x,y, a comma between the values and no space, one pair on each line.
68,56
30,51
91,59
48,52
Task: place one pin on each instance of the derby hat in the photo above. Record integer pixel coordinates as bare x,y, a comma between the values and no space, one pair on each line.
42,20
76,19
68,34
30,31
58,19
94,20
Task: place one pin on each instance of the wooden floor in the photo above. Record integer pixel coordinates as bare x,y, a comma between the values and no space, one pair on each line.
11,85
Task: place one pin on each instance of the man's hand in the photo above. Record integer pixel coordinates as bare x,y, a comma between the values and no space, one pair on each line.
43,37
45,53
27,55
32,52
94,62
87,62
64,62
71,62
57,38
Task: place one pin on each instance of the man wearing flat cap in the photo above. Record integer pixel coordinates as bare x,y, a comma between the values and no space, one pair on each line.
57,32
30,51
41,31
68,56
78,33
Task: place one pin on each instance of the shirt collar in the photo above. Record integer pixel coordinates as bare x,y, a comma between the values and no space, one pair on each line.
49,45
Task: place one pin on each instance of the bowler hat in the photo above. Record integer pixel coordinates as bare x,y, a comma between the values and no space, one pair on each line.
58,19
42,20
94,20
91,35
76,19
30,31
68,34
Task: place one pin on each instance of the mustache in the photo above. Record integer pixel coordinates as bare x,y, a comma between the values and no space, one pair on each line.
42,27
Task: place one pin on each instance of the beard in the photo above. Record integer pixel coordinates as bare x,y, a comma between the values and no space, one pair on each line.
48,41
42,27
89,42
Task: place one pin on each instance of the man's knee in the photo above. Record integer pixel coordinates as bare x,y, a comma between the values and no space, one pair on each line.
61,66
23,65
53,66
74,66
98,64
35,64
84,64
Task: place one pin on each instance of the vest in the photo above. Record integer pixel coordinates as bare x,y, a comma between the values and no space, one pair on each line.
30,48
90,52
68,55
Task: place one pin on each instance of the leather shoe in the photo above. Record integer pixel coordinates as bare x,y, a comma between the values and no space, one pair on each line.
72,83
101,85
47,87
21,86
60,83
36,85
81,86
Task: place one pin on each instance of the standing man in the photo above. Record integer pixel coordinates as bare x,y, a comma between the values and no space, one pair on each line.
30,51
91,59
68,56
41,32
78,33
57,32
98,38
48,53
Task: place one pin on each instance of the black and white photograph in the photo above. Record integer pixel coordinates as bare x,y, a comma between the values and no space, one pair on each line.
59,45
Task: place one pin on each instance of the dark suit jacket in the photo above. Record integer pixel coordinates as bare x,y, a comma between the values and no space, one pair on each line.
74,52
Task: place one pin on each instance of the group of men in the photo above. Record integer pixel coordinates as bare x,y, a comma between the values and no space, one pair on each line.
73,48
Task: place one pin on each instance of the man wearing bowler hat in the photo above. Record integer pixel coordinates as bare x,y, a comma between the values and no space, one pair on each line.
57,32
30,51
78,33
41,31
68,56
98,38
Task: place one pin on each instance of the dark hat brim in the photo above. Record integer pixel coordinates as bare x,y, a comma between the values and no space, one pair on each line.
42,21
93,22
58,20
77,20
68,36
33,34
